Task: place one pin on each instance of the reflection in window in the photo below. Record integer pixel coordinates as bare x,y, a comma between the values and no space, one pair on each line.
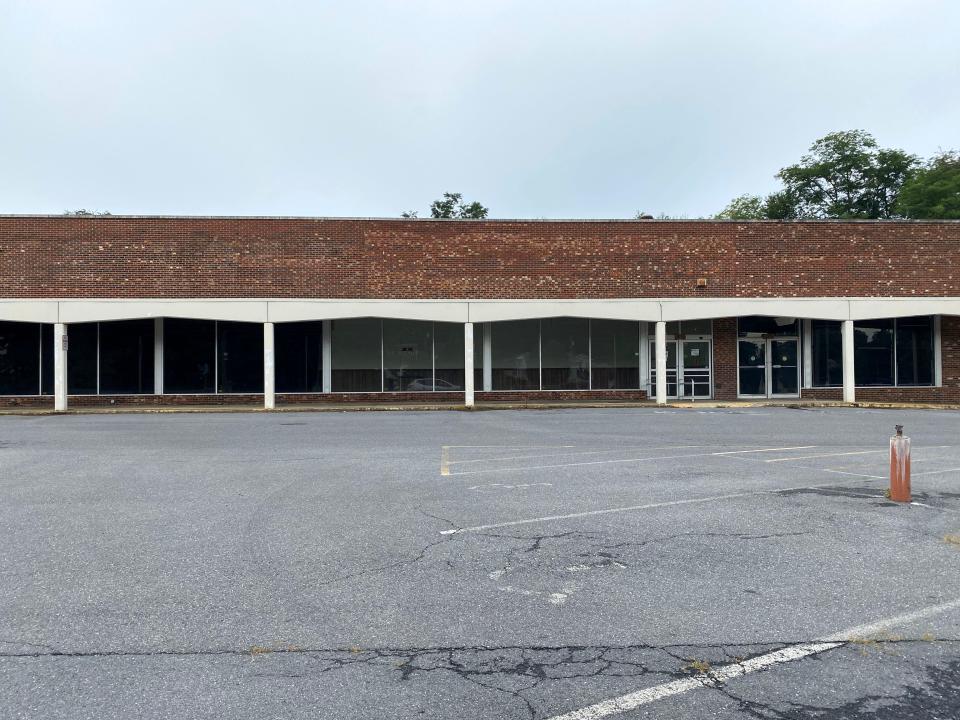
298,356
615,348
126,357
407,355
516,355
239,357
448,350
758,325
873,352
19,358
189,356
82,359
565,353
915,351
357,355
827,346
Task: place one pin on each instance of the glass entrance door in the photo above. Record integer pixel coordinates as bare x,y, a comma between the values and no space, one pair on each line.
768,367
688,368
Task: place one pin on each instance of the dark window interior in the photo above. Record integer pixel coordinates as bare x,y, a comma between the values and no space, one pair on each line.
19,358
82,359
298,352
239,357
126,357
188,356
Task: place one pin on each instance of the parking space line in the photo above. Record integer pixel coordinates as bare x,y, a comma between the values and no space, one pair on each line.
564,454
937,472
813,457
628,460
634,700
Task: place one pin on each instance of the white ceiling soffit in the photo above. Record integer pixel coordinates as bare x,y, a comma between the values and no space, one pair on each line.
300,310
873,308
496,310
73,311
704,308
38,311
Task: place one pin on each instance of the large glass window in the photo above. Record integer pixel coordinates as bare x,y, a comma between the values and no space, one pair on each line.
407,355
126,357
758,326
239,357
873,352
478,333
827,347
298,356
357,358
565,353
915,355
615,348
516,355
46,359
19,358
448,350
189,356
82,359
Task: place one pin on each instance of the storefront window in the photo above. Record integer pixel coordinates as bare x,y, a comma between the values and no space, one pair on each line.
516,355
615,348
82,359
126,357
357,355
873,352
915,354
19,358
407,355
189,356
239,357
565,353
298,356
826,344
449,358
757,325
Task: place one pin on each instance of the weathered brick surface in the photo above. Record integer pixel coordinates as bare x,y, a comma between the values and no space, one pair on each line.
129,257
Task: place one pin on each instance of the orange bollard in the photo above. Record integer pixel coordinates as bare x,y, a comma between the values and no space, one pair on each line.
900,467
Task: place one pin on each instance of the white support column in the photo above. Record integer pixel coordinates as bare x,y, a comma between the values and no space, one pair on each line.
487,357
59,367
846,334
807,354
269,372
468,364
326,350
158,356
661,353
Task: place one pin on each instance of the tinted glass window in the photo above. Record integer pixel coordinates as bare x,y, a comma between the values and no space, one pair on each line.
188,356
82,359
407,355
356,355
615,363
298,356
126,357
756,325
239,357
516,355
827,348
915,355
565,353
873,352
19,358
696,327
46,358
448,350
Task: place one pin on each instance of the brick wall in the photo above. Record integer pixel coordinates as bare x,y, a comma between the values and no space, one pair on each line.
128,257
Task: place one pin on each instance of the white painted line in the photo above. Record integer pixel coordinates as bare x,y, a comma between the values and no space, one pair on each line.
565,454
634,700
936,472
845,472
629,460
589,513
813,457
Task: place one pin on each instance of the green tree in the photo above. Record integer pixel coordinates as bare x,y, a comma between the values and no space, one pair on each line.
451,205
847,175
934,191
844,175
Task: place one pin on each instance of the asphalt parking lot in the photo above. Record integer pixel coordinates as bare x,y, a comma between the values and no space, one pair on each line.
574,564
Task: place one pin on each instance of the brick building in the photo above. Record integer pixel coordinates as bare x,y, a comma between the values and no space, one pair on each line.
101,310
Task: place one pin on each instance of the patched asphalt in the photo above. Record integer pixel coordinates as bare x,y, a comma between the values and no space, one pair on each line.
507,564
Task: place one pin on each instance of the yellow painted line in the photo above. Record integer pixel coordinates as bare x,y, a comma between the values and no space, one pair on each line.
445,460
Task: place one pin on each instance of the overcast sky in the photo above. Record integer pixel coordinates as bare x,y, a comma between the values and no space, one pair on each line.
535,108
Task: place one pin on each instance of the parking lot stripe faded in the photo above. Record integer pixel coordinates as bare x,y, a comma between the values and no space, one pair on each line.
627,460
632,701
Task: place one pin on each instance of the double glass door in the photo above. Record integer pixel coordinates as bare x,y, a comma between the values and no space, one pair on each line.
769,367
688,368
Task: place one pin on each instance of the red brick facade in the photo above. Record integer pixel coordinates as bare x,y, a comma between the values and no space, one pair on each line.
128,257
